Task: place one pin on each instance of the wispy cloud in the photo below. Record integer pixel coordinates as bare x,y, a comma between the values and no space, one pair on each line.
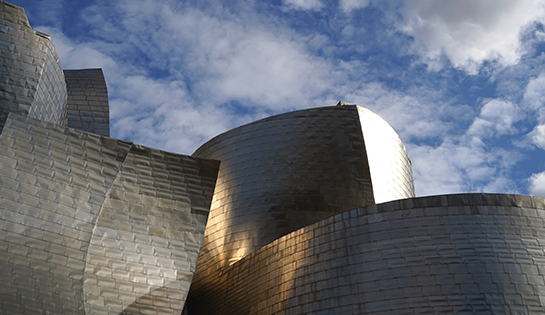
537,185
349,5
469,32
304,4
496,119
181,73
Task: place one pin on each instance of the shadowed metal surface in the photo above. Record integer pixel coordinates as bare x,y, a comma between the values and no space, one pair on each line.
91,224
280,174
450,254
87,105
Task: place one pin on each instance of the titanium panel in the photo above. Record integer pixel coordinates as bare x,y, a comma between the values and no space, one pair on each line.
31,80
49,103
94,224
449,254
146,241
87,106
391,172
280,174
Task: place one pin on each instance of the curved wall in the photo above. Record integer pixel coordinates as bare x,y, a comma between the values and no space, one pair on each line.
392,173
49,102
280,174
450,254
31,80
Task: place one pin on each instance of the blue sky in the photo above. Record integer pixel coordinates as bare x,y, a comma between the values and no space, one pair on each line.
462,82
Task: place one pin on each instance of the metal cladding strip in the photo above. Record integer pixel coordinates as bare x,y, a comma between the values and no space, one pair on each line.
71,227
467,253
146,241
278,175
31,80
53,183
87,106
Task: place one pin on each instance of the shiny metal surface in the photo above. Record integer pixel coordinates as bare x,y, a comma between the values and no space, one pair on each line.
32,81
49,102
449,254
285,172
87,105
389,163
95,225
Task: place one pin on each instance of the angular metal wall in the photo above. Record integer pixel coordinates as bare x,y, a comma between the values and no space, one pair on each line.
450,254
280,174
91,224
87,105
31,76
49,102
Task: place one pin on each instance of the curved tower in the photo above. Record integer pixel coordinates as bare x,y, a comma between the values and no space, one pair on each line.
287,171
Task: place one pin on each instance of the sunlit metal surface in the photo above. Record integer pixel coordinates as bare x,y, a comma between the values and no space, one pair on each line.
95,225
389,163
287,171
450,254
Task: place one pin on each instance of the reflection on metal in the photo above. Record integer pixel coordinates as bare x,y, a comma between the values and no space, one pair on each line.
288,171
452,254
391,172
95,225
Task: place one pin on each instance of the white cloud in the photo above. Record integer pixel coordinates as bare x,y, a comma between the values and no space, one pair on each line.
466,163
348,5
228,58
461,165
304,4
534,99
219,69
496,118
413,114
537,185
538,136
534,95
469,32
212,61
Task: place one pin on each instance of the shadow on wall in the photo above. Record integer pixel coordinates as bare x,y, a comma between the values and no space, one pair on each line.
159,301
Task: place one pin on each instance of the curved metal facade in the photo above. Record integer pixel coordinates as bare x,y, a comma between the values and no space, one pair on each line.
391,171
450,254
285,172
32,80
302,220
95,225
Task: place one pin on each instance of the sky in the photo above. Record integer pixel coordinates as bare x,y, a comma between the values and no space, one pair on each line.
462,82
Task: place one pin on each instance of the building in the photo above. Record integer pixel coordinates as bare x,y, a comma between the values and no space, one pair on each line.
89,224
307,212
